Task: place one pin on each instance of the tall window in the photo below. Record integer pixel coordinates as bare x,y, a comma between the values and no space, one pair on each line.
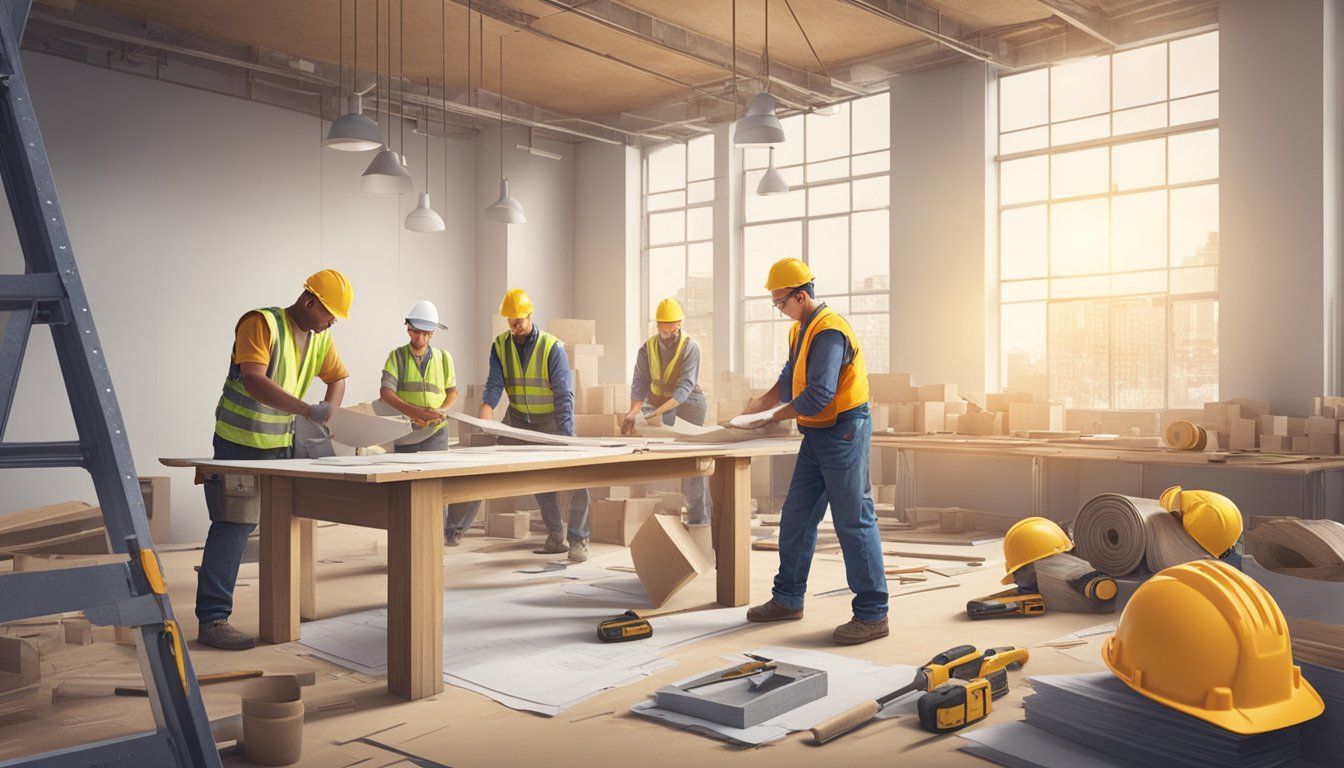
679,232
835,217
1108,228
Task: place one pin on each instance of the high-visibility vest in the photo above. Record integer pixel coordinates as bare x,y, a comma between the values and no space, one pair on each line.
853,389
424,391
663,379
529,389
240,418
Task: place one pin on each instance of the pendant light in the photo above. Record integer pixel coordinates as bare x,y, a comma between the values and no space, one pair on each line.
772,183
424,218
505,210
353,131
761,125
387,174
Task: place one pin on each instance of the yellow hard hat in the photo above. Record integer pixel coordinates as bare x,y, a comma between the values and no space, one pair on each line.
788,273
669,311
1211,519
1032,539
333,290
1207,640
516,303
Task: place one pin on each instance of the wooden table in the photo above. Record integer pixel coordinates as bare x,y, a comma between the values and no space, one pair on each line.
408,501
1311,471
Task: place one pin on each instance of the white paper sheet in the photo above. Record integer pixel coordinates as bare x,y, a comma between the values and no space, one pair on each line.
358,430
755,420
529,436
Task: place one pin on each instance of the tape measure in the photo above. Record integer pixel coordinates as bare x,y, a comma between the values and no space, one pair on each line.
627,626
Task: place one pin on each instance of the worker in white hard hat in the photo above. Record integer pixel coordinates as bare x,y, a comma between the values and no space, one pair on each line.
665,388
419,381
531,367
277,352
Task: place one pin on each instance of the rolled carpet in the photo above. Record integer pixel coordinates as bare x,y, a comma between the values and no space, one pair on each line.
1117,534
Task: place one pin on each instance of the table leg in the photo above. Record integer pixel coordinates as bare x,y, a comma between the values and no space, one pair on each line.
730,488
307,564
415,589
279,581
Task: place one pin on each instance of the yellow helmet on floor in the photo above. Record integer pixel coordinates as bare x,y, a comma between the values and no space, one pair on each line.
669,311
333,289
1211,519
1029,540
788,273
516,303
1207,640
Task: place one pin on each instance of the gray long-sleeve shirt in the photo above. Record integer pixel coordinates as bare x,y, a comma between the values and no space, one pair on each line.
557,369
687,380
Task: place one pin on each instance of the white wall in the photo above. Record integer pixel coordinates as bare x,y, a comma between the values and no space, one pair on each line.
606,253
187,209
1279,205
939,165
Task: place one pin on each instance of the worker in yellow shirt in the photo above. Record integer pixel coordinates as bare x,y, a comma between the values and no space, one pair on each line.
824,385
276,355
664,387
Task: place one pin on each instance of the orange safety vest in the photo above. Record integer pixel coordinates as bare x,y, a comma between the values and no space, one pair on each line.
853,389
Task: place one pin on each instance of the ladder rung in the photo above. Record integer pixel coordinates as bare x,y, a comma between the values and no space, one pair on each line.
64,589
35,455
42,286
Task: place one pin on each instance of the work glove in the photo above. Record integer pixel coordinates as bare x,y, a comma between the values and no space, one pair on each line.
318,413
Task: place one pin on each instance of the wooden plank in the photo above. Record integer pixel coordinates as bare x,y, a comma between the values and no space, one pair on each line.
415,590
568,478
362,504
307,566
279,562
730,489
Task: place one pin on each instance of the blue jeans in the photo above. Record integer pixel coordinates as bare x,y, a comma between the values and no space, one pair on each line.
833,467
699,507
435,442
225,542
460,516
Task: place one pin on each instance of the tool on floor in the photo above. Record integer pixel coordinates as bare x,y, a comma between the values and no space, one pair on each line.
627,626
992,665
939,670
958,703
1010,602
214,677
756,666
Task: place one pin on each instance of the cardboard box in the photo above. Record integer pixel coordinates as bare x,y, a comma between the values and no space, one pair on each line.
1322,444
1043,417
1251,408
600,399
999,402
891,388
950,422
928,417
1320,425
1242,435
501,506
666,558
156,492
901,417
982,423
1297,426
507,525
573,331
1217,415
1271,425
616,521
592,350
585,369
937,393
1275,443
596,424
957,406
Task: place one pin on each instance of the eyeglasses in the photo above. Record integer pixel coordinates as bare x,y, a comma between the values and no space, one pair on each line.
781,302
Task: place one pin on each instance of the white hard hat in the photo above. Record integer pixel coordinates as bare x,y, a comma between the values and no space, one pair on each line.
424,316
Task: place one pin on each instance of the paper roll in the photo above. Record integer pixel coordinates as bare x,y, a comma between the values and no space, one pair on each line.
1117,534
1186,436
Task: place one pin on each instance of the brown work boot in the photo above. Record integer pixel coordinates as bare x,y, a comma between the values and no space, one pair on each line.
578,550
452,539
857,631
221,634
772,611
555,544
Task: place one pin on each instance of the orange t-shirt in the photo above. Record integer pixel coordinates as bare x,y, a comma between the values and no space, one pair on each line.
252,344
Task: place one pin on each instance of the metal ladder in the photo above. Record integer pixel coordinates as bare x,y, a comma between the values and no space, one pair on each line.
130,593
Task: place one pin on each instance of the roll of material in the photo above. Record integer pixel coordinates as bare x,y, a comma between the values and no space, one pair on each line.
1119,534
1055,579
1186,436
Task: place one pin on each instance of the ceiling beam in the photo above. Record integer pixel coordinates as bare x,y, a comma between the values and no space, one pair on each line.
1084,19
944,30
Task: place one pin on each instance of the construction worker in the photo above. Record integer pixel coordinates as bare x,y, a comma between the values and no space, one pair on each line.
531,366
824,385
276,354
671,392
419,381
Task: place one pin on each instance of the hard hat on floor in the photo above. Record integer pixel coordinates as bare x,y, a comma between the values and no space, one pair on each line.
1030,540
1211,519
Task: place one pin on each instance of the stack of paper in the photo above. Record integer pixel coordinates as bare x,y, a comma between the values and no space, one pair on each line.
1323,737
1100,711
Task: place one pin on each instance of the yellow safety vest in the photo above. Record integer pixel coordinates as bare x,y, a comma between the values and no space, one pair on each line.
429,390
529,389
240,418
853,389
663,380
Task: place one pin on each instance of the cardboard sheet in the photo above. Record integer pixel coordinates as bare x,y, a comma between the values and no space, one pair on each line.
541,438
358,430
686,432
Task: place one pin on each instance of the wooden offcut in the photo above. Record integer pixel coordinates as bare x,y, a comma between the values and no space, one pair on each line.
70,528
1290,543
666,558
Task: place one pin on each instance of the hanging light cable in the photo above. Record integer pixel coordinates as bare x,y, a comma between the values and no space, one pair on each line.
761,125
353,131
386,174
505,210
424,218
